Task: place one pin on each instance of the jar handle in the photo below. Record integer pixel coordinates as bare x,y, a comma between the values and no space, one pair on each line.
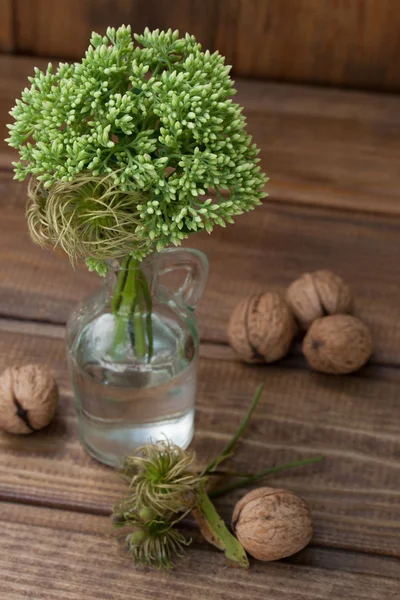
195,264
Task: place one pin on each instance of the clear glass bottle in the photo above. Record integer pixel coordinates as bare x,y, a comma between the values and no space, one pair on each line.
133,364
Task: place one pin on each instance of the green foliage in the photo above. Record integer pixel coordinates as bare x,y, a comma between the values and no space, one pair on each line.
100,266
164,486
156,117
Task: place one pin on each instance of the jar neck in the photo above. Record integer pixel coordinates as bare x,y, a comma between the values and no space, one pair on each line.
119,269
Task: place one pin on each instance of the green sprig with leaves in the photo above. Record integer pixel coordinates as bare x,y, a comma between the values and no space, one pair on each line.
154,120
165,487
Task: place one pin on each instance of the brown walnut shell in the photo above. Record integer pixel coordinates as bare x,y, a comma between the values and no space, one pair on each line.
318,294
28,399
338,344
261,328
272,523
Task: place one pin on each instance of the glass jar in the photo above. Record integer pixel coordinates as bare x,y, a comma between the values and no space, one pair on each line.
133,352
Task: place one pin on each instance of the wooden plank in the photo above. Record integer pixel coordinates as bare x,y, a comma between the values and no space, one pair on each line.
354,562
96,525
30,276
326,147
287,40
7,41
352,421
297,40
211,350
66,556
39,30
320,147
271,246
285,241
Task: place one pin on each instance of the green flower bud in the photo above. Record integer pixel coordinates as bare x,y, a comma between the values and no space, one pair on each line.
146,514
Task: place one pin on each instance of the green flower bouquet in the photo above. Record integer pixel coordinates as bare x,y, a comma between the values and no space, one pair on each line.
128,152
125,147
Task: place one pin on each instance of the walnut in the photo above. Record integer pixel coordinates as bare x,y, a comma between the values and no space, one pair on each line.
272,523
337,344
261,328
28,399
318,294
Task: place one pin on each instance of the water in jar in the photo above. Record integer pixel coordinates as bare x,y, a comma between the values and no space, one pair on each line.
121,402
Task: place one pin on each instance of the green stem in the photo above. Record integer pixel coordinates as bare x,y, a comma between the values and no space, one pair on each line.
230,474
126,302
132,306
227,451
138,328
253,479
121,280
149,313
215,531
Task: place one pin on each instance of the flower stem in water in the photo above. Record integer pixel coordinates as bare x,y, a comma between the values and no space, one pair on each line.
132,306
138,320
149,312
121,280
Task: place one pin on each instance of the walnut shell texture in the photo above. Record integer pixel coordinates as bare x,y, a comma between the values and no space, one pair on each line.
28,399
261,328
338,344
318,294
272,523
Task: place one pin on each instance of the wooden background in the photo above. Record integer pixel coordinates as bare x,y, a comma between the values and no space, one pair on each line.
334,159
347,43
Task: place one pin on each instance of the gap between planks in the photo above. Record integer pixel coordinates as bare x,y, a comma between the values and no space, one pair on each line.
67,522
208,348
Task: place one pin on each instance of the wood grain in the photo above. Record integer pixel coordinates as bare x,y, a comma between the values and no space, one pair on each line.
7,41
320,147
39,30
354,422
285,40
286,240
63,555
56,531
319,41
97,525
326,147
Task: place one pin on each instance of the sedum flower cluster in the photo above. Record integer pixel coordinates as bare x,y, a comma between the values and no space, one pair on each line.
154,117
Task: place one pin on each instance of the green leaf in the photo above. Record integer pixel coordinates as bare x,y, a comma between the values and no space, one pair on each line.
216,532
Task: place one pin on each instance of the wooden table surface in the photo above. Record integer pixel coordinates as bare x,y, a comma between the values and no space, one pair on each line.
334,159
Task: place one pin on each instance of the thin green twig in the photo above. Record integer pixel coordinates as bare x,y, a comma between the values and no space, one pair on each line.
227,451
250,480
219,473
